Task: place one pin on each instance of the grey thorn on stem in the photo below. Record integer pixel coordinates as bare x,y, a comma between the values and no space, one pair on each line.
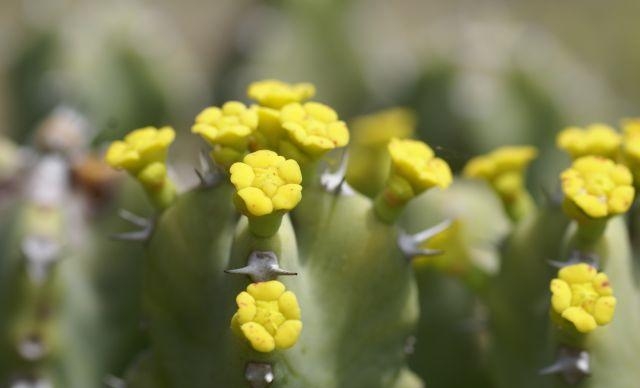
208,173
262,266
577,257
259,374
410,244
40,252
112,381
31,348
31,383
335,181
573,365
144,231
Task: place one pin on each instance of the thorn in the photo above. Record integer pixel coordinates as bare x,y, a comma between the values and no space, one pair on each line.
112,381
41,252
258,374
552,197
336,182
134,236
571,364
262,266
577,257
134,218
142,234
209,173
31,348
31,383
410,244
410,345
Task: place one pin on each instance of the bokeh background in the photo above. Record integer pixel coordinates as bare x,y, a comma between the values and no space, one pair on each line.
479,74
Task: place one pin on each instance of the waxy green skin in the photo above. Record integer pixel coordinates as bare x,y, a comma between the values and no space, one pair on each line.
356,291
452,321
518,299
76,301
614,349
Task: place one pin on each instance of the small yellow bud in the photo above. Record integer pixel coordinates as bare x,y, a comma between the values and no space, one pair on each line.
268,316
595,139
415,162
276,94
314,128
503,169
266,182
229,126
583,296
596,187
140,148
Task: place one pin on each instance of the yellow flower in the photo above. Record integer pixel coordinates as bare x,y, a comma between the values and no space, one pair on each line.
276,94
378,128
503,168
595,139
266,182
631,146
314,128
229,126
268,316
140,149
597,187
583,296
415,163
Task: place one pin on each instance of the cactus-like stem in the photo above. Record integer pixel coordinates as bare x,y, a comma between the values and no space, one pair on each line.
163,196
520,206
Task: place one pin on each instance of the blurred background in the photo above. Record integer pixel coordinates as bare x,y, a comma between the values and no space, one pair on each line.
478,74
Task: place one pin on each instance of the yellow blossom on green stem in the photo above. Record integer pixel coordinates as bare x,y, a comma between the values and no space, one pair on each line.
268,316
415,162
227,129
583,296
266,182
503,168
595,139
313,128
596,187
631,146
143,154
140,148
275,94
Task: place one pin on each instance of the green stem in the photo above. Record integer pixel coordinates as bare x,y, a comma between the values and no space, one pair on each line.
162,197
385,210
267,225
519,207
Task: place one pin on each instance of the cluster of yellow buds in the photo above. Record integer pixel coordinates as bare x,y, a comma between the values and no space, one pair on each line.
596,187
504,169
268,316
583,296
414,169
143,154
604,141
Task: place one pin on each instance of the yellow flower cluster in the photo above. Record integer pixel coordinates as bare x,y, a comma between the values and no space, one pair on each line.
377,129
597,187
595,139
414,162
268,316
583,296
227,129
313,128
265,183
276,94
503,169
631,146
143,154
